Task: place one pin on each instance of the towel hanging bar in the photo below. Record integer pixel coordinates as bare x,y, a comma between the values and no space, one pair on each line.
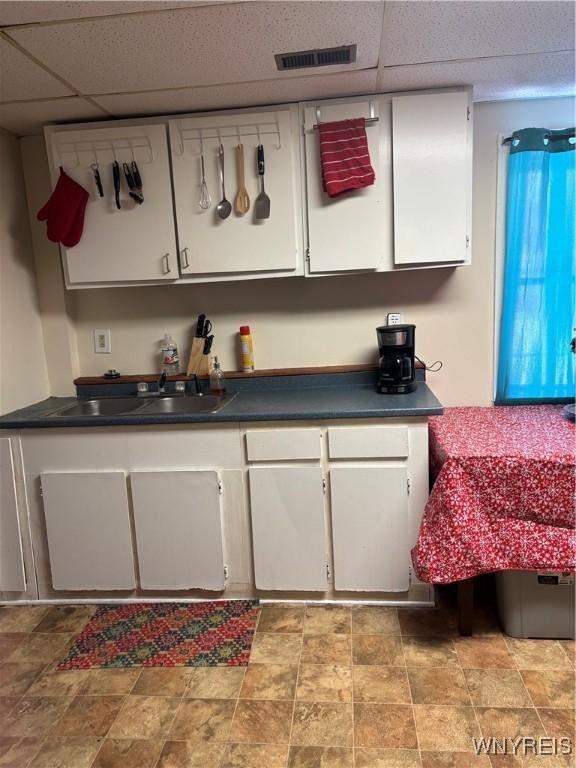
371,119
366,120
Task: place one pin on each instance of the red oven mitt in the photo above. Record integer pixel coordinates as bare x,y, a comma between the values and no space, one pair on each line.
64,211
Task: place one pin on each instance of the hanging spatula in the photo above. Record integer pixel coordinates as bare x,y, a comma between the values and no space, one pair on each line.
262,203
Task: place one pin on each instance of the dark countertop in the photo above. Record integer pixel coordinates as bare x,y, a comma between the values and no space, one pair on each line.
349,400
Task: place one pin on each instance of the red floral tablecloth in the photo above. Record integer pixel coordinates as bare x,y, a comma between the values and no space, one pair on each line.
503,496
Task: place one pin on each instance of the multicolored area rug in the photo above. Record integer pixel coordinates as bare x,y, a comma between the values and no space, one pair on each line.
207,634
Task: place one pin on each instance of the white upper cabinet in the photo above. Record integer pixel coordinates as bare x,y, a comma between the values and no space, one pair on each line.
240,245
138,242
418,211
432,166
353,231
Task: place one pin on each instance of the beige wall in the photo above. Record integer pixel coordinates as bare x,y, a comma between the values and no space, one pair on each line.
329,321
23,371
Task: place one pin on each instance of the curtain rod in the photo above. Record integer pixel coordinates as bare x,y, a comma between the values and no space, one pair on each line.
549,136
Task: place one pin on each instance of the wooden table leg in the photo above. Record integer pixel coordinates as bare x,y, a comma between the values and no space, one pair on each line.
465,606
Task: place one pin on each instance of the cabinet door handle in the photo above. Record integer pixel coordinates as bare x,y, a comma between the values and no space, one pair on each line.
166,260
184,258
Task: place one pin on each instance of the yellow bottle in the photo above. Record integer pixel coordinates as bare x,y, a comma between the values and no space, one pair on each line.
246,349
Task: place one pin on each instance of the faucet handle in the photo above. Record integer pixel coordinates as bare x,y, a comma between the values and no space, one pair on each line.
180,386
142,387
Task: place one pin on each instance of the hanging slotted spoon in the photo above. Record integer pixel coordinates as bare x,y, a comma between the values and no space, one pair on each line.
242,201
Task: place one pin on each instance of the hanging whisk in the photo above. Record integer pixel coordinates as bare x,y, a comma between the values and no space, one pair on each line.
205,200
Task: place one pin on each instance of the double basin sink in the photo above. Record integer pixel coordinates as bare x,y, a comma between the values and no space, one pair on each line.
153,406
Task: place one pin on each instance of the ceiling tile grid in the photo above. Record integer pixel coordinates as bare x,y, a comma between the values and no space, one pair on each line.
28,118
441,30
22,79
200,46
240,94
501,77
141,57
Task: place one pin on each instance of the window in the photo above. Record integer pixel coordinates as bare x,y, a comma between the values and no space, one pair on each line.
535,363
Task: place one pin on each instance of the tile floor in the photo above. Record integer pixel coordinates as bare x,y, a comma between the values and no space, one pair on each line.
327,687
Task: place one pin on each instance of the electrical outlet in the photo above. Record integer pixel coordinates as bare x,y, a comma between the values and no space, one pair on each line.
102,344
394,318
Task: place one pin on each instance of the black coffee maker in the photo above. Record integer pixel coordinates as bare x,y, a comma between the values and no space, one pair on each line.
396,348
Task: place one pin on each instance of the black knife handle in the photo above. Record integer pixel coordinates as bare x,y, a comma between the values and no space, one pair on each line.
116,177
260,160
200,326
208,344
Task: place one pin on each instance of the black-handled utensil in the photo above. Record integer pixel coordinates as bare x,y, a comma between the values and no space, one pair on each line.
207,328
97,179
134,191
262,202
137,181
116,177
200,326
208,344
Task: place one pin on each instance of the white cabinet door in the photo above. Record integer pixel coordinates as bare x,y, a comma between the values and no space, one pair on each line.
239,244
432,161
138,242
353,231
370,528
12,573
287,507
88,527
178,529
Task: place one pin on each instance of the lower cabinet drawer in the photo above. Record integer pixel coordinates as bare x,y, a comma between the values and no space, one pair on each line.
279,444
368,442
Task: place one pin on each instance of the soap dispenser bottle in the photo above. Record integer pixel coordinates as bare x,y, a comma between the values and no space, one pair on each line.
217,380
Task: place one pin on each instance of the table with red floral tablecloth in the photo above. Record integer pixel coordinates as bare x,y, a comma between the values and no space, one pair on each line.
503,496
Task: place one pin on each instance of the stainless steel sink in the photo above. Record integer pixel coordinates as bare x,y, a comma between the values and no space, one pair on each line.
123,406
187,404
108,406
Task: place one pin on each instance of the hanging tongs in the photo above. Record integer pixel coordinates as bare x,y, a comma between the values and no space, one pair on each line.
134,181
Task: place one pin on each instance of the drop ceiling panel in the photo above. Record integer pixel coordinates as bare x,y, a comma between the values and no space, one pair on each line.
201,46
244,94
436,30
33,11
20,78
503,77
27,118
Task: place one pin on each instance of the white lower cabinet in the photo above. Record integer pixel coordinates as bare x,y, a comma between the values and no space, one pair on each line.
370,528
88,529
12,573
287,507
178,527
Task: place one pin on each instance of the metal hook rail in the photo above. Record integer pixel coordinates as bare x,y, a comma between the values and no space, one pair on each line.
231,131
110,148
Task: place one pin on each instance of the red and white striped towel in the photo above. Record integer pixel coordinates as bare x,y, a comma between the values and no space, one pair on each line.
345,157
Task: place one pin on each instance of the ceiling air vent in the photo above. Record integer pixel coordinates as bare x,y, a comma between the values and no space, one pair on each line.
321,57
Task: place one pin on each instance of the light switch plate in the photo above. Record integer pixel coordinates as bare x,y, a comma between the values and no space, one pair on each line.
102,342
394,318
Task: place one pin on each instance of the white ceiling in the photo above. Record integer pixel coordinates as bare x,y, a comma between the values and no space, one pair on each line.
74,60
